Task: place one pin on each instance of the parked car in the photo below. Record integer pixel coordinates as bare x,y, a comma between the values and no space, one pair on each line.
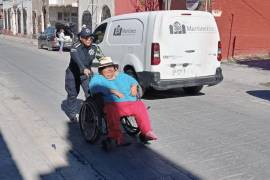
49,38
164,49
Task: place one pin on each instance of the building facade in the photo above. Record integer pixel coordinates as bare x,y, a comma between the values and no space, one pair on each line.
1,16
244,26
154,5
92,12
17,17
30,17
38,17
63,12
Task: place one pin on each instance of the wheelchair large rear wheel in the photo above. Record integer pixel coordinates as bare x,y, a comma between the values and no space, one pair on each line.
90,119
130,126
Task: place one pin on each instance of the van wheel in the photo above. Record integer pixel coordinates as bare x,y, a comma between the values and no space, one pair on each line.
192,90
141,89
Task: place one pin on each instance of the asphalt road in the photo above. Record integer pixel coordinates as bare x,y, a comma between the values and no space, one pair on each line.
222,133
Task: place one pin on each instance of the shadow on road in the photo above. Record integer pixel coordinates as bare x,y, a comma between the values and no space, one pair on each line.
137,161
262,64
8,168
263,94
166,94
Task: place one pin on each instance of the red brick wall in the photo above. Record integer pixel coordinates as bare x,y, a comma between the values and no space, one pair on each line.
178,4
244,26
122,7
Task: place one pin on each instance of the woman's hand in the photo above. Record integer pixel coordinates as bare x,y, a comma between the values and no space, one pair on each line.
134,90
117,93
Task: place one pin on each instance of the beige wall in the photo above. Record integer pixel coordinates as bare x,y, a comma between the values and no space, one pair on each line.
66,14
19,6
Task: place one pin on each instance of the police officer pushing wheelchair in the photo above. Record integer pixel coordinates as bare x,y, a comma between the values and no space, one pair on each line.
79,70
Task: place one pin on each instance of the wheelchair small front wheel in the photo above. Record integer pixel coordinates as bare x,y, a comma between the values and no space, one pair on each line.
130,126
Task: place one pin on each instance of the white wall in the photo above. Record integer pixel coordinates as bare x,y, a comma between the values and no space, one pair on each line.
14,23
9,5
95,9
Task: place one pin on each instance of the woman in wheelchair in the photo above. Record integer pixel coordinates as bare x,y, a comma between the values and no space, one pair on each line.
119,92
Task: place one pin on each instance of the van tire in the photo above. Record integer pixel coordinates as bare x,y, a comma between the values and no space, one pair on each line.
132,73
192,90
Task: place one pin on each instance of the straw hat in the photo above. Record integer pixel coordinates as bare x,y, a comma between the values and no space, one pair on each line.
106,61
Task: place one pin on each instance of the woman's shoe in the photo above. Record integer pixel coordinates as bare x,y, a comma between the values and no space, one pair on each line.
145,138
150,135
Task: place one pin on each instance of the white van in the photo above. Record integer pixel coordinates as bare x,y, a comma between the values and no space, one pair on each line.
164,49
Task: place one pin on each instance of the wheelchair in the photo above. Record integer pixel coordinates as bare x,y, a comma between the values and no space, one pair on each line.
93,122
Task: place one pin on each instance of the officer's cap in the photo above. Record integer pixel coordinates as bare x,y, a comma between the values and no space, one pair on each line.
86,32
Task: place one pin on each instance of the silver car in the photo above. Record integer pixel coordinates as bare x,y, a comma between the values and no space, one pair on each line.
49,39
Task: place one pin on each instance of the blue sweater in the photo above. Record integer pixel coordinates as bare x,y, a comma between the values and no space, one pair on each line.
122,83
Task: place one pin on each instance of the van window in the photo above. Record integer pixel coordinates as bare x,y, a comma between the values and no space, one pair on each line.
99,33
128,31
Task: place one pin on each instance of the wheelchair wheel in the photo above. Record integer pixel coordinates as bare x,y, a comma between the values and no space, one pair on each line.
90,119
130,126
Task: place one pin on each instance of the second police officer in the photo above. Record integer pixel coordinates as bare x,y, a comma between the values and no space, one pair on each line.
79,70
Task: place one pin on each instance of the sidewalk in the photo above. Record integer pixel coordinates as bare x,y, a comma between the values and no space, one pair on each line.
259,62
20,39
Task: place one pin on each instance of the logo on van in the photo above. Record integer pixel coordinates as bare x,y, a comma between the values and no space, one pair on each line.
117,31
177,28
120,31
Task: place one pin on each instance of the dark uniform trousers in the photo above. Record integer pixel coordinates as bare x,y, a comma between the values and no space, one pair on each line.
72,86
81,58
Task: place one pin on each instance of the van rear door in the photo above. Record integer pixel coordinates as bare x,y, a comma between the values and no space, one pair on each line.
188,44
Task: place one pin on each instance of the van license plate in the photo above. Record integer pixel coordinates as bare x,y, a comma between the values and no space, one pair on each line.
178,71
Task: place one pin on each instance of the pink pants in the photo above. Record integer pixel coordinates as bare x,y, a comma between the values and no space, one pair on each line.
115,110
